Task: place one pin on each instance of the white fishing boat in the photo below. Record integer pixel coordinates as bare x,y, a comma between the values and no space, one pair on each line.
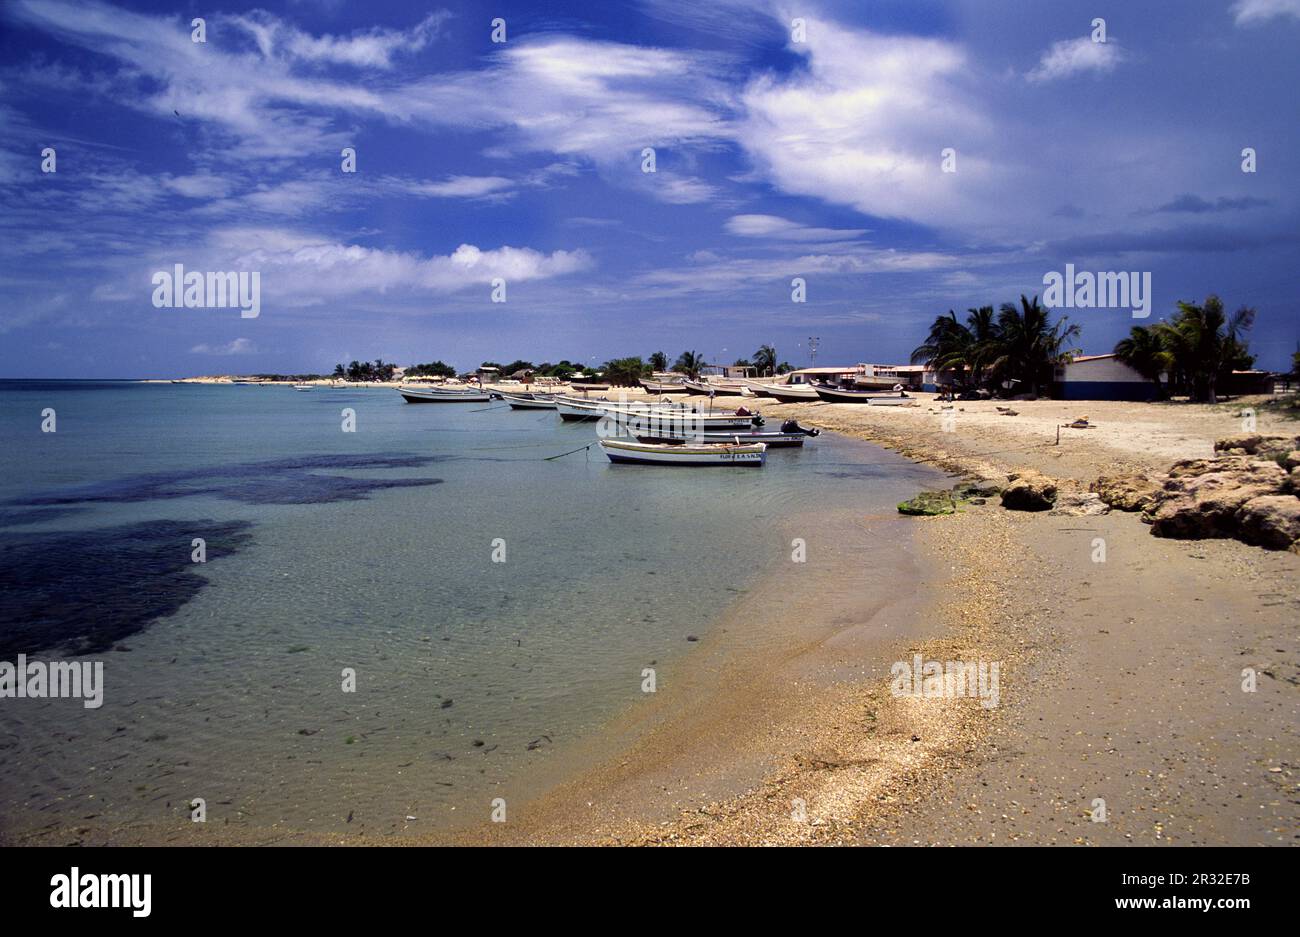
844,395
716,387
789,393
791,434
440,395
640,453
303,386
668,419
664,387
528,401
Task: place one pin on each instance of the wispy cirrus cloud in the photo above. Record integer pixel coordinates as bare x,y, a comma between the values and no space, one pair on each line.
1194,204
1255,12
370,48
777,228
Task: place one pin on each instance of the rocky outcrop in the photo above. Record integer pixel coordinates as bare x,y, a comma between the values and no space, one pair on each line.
1029,491
983,488
1126,492
1256,444
1079,504
1271,521
1208,498
929,503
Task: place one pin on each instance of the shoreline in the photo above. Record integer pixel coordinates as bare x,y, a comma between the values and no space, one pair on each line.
875,768
1119,682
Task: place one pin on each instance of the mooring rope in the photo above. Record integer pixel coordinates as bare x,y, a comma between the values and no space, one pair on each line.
570,452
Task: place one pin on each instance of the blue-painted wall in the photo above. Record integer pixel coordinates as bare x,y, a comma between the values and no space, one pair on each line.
1104,390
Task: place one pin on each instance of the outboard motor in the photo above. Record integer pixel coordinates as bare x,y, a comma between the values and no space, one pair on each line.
792,426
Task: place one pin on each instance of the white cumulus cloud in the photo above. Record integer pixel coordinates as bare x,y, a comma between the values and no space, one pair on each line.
1073,56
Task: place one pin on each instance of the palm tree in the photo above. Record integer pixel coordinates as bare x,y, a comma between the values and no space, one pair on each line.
1203,342
1029,346
659,361
690,363
982,324
1144,353
947,347
765,360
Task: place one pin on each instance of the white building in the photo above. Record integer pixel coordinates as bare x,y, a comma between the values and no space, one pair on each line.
1101,377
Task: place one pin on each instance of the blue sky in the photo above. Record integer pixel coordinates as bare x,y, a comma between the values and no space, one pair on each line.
775,158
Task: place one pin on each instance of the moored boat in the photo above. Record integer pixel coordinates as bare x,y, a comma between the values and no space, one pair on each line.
672,420
791,434
528,401
639,453
431,395
303,386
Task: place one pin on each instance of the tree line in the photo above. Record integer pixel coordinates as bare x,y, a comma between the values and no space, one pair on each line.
1019,347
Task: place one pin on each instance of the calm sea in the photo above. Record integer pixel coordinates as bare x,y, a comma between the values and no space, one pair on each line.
494,607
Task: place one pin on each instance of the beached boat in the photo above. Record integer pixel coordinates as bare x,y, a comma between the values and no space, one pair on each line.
528,401
438,395
584,387
842,395
717,387
664,387
640,453
789,393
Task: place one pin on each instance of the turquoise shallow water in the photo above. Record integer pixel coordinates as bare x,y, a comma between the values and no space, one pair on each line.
371,551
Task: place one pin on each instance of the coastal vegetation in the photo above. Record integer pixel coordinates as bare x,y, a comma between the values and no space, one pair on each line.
361,371
432,369
1198,347
1019,346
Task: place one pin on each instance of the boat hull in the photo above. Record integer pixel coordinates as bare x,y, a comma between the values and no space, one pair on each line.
668,420
771,440
527,403
424,396
791,393
835,395
660,387
637,453
705,389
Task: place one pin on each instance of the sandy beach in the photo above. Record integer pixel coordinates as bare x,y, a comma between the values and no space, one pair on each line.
1121,682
